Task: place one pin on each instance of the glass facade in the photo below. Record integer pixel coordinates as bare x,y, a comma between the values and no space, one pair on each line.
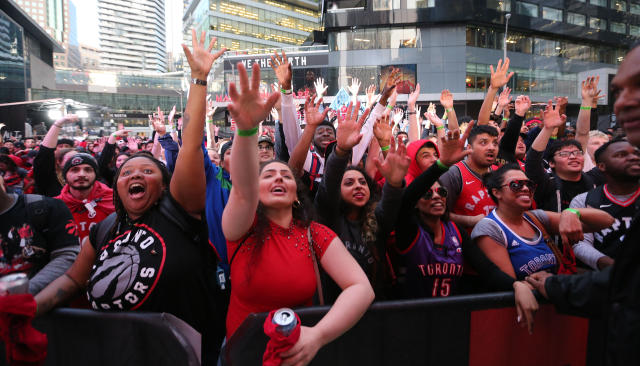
374,38
597,23
12,61
417,4
598,2
634,8
618,27
551,14
576,19
531,81
527,9
115,101
386,4
518,42
619,5
500,5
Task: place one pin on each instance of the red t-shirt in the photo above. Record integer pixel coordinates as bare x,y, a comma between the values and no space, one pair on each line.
281,276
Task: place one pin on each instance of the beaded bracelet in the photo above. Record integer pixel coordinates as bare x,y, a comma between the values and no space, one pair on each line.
248,133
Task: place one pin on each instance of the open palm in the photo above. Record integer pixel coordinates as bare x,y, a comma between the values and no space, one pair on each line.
312,114
451,146
395,165
200,59
247,108
382,130
348,132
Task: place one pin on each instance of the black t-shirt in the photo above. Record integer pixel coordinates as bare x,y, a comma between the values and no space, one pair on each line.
25,246
154,265
571,189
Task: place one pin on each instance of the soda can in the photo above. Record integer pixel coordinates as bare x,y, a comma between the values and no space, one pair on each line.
286,321
13,284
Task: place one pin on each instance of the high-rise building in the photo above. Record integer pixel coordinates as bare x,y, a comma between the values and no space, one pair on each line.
54,17
132,34
253,25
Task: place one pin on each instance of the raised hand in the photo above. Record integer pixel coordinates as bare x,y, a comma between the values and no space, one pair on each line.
282,68
390,84
66,119
500,77
211,109
590,90
247,108
312,114
398,116
451,146
395,165
413,97
434,119
371,95
382,130
522,104
348,132
446,99
320,87
552,117
172,113
200,59
274,114
355,87
159,126
132,144
504,97
391,102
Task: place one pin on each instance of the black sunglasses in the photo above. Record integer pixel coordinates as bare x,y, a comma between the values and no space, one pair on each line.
441,191
518,184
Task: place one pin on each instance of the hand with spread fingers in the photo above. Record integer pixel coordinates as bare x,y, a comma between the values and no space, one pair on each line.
282,68
504,98
395,165
382,130
354,88
552,117
522,104
390,84
413,97
371,95
452,146
320,87
201,59
312,114
247,108
348,132
500,77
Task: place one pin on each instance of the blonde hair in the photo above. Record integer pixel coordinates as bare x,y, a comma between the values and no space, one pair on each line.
597,133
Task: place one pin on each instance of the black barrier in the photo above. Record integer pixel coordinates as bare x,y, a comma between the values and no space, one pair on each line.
86,337
415,332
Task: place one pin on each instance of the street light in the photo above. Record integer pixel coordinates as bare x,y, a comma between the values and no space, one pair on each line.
506,27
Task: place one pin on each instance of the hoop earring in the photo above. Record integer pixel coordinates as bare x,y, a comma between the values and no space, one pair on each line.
297,204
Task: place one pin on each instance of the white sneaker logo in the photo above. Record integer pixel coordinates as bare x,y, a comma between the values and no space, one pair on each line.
468,182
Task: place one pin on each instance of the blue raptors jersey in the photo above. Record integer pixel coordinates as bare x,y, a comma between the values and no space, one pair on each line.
527,257
432,270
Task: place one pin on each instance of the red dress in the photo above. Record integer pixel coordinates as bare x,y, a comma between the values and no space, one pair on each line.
282,275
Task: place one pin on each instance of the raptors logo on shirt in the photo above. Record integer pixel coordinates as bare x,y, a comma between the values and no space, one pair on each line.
127,270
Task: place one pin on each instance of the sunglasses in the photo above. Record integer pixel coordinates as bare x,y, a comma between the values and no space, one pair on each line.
517,185
441,191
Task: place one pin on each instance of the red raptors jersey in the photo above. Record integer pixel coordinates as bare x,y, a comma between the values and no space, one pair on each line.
473,198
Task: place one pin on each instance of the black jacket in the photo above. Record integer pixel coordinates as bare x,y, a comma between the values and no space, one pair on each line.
613,295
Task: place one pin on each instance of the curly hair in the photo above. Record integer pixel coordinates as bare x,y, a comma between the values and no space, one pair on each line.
121,212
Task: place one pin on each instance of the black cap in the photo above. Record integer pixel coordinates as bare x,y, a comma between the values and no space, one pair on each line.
79,159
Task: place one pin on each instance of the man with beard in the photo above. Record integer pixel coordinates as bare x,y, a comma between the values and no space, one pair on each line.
611,294
468,199
88,200
620,163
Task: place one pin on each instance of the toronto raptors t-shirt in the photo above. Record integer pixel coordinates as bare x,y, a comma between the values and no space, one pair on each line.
153,265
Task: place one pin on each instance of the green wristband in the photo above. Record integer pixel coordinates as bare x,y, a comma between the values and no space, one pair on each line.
209,121
585,108
449,110
285,91
573,210
385,148
441,165
440,128
505,119
248,133
389,107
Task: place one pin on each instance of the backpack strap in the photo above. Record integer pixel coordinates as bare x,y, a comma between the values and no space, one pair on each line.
103,229
37,211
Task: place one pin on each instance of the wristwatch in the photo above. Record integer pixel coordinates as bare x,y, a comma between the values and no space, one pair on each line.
199,82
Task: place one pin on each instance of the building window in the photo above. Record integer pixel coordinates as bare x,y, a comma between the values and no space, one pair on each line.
634,30
618,27
552,14
527,9
386,4
598,2
547,47
499,5
619,5
576,19
417,4
597,23
634,8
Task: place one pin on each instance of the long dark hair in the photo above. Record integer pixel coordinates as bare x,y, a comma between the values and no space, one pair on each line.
302,213
121,213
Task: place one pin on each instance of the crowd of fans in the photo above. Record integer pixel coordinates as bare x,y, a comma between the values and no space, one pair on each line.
335,207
